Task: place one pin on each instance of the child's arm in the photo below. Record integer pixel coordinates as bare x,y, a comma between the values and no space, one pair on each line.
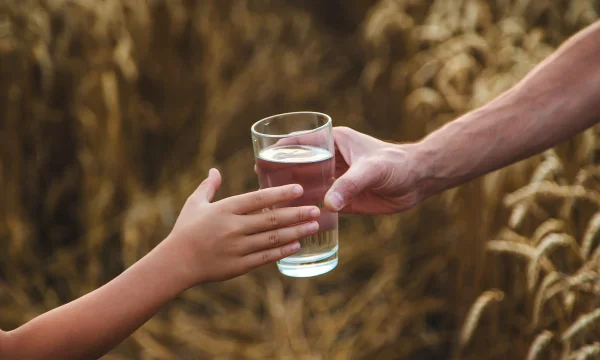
209,242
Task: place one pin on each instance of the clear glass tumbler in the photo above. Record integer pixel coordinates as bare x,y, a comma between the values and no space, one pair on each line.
298,148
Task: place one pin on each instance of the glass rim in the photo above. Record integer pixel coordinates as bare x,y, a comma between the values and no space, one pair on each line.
255,132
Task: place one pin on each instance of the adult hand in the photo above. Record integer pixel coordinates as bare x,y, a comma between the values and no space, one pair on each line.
372,176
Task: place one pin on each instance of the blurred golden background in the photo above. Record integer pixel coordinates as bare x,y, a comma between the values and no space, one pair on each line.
112,112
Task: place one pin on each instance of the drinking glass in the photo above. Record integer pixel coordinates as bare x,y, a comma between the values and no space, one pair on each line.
298,148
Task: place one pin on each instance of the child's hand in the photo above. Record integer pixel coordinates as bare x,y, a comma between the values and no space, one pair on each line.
222,240
209,242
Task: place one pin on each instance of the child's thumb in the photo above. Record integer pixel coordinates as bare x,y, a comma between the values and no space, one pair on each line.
207,189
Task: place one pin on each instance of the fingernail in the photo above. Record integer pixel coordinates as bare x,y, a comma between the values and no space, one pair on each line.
295,246
297,189
312,227
336,200
314,212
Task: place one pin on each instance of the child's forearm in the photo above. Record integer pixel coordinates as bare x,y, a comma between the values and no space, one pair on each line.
557,100
90,326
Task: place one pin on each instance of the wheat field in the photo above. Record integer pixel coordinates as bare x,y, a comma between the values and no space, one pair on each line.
112,112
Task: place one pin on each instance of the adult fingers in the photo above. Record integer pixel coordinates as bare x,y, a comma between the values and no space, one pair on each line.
261,199
274,219
278,237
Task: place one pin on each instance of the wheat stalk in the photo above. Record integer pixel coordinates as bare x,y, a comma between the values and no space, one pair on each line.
552,190
569,301
523,250
549,166
582,323
568,284
581,277
539,344
548,244
503,246
548,226
540,296
580,179
510,235
586,352
592,229
475,312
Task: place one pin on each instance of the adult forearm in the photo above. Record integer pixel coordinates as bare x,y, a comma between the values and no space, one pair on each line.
555,101
90,326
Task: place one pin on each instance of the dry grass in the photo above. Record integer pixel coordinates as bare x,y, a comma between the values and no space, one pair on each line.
112,111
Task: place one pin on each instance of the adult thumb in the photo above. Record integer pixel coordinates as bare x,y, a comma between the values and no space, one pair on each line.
207,189
351,183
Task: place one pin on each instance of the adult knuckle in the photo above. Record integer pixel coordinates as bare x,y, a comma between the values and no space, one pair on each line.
266,256
349,185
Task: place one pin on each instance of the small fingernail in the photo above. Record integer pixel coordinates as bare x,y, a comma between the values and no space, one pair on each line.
312,227
295,246
314,212
297,189
336,200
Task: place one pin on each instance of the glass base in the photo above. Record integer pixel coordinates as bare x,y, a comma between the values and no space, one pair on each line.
298,267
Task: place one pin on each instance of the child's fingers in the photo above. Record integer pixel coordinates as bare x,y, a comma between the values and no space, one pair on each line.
275,238
271,255
260,199
273,219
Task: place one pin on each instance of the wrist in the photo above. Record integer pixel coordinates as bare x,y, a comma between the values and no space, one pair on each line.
175,264
452,154
423,159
